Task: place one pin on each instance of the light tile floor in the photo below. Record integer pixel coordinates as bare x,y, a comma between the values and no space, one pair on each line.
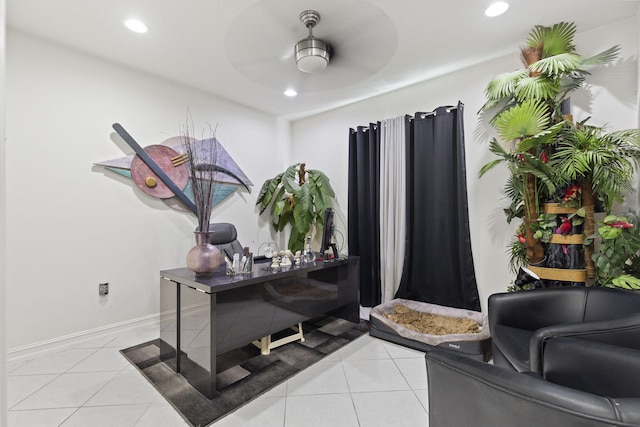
368,383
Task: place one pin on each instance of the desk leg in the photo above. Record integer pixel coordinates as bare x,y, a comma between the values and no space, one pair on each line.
197,340
178,327
213,346
169,323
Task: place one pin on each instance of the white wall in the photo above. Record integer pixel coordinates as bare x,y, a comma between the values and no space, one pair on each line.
3,259
72,225
611,98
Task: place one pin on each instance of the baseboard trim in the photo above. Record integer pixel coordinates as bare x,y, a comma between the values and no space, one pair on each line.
61,343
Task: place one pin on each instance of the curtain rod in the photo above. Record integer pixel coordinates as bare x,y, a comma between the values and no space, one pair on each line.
433,113
422,116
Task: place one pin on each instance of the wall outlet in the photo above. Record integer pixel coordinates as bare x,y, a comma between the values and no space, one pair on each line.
103,291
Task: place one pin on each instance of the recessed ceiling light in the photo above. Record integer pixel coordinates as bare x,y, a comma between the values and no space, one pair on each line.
290,92
496,9
135,25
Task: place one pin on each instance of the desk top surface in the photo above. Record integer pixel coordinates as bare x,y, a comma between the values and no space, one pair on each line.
219,281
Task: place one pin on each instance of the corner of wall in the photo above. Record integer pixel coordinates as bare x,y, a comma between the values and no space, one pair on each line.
283,142
638,66
3,219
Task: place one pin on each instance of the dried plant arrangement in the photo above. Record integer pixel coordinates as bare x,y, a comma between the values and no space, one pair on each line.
202,155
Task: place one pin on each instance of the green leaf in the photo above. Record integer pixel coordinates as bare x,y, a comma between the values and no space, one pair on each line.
536,87
609,219
602,58
321,182
555,40
290,179
620,284
558,64
279,207
547,136
279,196
626,281
526,119
601,262
486,168
266,192
284,219
503,86
303,210
609,233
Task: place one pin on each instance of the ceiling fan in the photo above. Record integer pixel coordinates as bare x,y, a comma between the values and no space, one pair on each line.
312,54
355,40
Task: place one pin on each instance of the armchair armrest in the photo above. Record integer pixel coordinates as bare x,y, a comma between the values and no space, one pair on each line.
623,332
592,367
537,308
463,391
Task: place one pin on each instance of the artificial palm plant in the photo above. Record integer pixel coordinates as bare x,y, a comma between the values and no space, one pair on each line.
602,163
299,197
522,125
528,117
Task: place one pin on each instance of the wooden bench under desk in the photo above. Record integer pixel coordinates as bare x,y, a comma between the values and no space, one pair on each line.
202,318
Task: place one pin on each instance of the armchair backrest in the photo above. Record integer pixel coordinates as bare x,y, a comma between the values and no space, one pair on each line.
551,306
608,303
225,237
537,308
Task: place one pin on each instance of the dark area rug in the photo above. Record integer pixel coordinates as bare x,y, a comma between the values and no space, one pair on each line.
243,374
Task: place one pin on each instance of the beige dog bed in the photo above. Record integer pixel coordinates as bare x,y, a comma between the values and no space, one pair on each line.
476,344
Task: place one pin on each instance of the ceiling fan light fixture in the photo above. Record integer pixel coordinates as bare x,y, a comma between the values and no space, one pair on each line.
312,55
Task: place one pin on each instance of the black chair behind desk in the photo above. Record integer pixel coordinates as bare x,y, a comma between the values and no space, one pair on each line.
225,237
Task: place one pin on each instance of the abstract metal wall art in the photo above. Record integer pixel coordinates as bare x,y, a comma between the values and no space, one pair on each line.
162,170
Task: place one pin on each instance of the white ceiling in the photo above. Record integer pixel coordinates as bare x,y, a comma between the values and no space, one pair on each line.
242,50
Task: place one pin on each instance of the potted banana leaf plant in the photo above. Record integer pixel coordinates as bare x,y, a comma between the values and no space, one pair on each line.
298,197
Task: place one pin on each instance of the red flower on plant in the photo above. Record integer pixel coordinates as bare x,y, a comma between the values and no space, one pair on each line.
544,157
521,238
620,224
571,192
521,157
565,226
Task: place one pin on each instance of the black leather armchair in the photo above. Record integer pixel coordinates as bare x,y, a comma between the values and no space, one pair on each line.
522,322
583,383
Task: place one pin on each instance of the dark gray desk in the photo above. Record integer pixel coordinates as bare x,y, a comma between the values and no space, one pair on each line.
202,318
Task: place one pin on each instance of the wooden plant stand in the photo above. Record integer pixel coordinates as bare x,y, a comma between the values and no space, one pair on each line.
562,274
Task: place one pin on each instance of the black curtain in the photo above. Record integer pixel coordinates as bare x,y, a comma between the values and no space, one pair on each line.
438,267
364,209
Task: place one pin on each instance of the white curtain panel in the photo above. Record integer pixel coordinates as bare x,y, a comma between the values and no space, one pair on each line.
392,204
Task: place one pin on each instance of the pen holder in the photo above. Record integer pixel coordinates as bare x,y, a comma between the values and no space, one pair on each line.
240,264
247,264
